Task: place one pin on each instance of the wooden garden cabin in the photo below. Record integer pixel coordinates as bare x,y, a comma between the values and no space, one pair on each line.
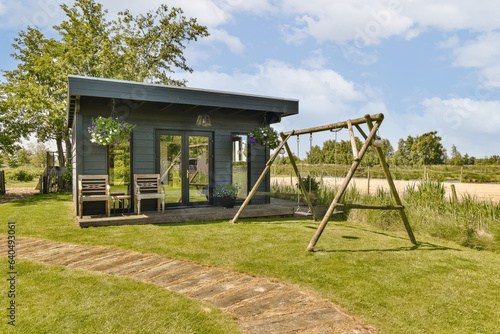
195,139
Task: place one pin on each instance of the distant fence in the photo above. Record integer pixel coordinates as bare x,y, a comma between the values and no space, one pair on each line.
52,180
2,182
466,174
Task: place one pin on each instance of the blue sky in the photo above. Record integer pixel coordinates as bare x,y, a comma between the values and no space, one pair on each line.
427,64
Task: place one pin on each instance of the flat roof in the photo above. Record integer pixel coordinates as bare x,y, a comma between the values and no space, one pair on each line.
131,90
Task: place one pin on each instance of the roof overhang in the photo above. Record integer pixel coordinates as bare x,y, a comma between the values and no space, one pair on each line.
119,89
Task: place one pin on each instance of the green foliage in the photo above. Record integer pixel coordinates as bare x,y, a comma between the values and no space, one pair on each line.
285,160
310,183
422,150
341,153
264,137
38,154
139,48
24,174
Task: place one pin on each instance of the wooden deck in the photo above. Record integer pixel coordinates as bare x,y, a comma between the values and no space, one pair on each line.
185,215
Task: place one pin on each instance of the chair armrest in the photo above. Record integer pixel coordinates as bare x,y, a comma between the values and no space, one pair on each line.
137,187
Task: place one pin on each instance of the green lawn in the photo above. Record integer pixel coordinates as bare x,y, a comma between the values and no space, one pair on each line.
58,300
31,184
436,287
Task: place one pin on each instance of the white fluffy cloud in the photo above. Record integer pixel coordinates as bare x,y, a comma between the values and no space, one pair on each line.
483,54
369,22
233,43
471,125
280,79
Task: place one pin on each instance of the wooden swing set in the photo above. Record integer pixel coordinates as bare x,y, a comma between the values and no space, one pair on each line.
358,155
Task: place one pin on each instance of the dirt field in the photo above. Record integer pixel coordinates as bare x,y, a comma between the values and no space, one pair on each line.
484,192
14,194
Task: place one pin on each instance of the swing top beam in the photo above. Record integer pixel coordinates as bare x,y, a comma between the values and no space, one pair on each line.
338,125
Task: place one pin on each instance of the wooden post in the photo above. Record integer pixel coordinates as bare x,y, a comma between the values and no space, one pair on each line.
261,178
342,188
454,193
353,140
394,192
291,179
301,183
2,182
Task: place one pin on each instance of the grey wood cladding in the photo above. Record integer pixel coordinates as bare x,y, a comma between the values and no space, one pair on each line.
154,108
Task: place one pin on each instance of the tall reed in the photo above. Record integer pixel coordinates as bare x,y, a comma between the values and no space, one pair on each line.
468,222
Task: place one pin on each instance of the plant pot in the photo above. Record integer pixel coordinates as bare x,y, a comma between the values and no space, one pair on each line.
227,202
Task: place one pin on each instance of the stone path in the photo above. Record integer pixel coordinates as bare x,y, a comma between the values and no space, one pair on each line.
258,304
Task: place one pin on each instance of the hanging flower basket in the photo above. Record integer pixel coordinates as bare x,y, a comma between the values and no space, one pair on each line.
264,137
107,131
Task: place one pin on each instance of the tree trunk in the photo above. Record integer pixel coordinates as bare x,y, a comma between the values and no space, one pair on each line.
68,151
60,152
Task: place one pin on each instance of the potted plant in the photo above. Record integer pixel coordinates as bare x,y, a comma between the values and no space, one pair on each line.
107,131
227,194
264,137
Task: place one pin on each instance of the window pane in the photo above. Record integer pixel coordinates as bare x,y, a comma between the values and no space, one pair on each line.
198,168
170,167
119,167
240,165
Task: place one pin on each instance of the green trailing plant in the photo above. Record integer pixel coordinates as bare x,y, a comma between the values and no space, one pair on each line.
226,190
107,131
264,137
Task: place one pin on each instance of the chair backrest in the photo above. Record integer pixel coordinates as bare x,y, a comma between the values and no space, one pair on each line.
148,183
93,184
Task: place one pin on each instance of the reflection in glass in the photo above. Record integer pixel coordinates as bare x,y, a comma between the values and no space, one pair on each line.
119,167
240,165
170,167
198,171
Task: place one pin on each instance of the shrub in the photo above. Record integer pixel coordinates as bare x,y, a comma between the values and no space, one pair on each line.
22,174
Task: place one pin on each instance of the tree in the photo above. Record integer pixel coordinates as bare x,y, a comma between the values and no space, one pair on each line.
141,48
456,158
402,156
425,149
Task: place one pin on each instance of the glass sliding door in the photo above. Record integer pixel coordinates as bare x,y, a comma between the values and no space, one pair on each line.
199,169
170,166
184,164
240,165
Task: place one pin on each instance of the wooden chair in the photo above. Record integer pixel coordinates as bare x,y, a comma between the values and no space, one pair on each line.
148,186
94,188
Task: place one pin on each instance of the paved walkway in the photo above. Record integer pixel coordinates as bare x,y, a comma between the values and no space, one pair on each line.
258,304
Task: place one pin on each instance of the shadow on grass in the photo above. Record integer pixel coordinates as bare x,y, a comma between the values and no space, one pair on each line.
423,246
41,199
